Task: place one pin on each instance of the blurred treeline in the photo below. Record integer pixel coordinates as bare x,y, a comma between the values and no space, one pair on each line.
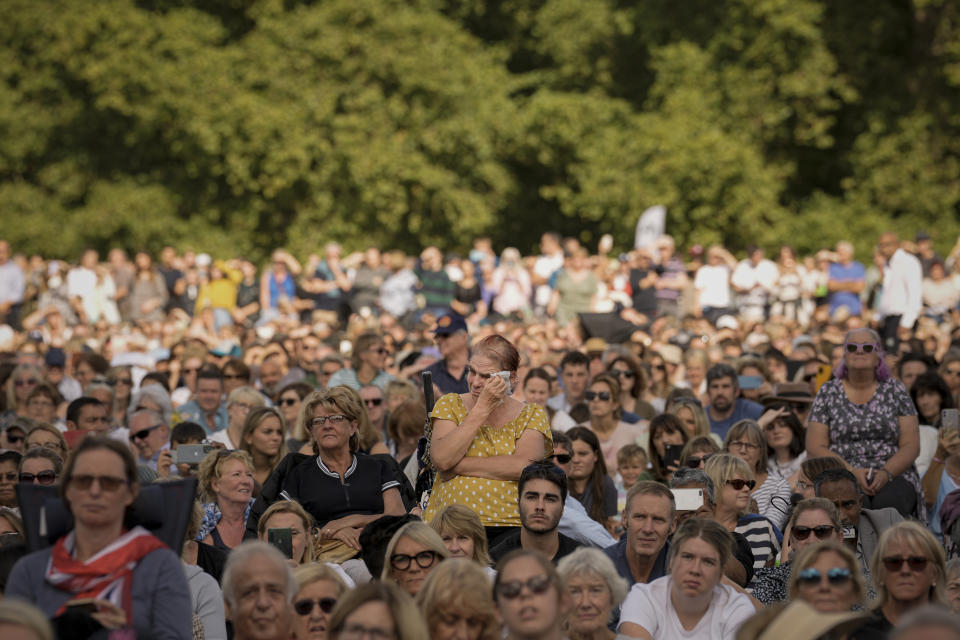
240,125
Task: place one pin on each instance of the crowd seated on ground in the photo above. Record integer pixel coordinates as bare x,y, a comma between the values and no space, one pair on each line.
645,445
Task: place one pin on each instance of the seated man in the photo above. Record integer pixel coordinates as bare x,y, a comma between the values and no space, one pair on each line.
207,408
542,490
185,433
649,519
258,590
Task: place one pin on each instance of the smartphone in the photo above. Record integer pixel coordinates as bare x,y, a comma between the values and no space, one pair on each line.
192,454
85,606
671,455
506,378
949,420
749,382
282,539
688,499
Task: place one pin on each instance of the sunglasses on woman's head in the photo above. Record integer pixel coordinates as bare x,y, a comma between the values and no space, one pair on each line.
739,484
895,563
853,347
593,395
305,607
537,585
836,576
822,532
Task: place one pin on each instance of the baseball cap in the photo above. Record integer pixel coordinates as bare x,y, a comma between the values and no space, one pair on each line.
55,357
450,323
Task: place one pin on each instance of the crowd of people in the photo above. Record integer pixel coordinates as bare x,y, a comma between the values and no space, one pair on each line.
651,445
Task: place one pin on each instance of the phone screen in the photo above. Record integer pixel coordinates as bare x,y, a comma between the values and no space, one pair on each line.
671,455
282,539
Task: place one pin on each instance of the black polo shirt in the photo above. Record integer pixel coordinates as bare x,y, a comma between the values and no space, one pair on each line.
326,498
511,541
445,380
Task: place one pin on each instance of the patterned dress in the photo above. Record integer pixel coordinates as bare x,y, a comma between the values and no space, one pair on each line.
867,435
495,501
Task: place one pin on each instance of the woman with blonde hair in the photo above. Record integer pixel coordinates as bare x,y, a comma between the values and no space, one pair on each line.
745,440
378,610
368,437
226,487
463,534
457,603
827,576
694,418
45,435
288,514
240,403
596,591
262,438
412,553
319,588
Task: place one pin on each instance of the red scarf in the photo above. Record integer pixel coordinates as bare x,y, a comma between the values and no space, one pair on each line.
107,574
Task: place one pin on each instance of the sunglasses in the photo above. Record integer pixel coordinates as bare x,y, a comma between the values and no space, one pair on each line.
126,381
192,370
694,462
593,395
822,532
107,483
378,351
25,382
287,402
895,563
143,433
623,373
836,576
562,458
537,585
43,477
739,484
13,438
373,402
852,347
305,607
401,561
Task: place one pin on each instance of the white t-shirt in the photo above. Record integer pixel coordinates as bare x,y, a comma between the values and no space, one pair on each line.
649,606
713,284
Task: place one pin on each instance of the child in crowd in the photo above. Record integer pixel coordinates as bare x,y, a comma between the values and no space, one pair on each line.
632,465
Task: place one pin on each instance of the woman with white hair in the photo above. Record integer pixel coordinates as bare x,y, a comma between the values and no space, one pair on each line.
153,397
511,284
595,589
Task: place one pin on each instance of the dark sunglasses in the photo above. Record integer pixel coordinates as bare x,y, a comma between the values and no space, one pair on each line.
593,395
562,458
660,367
624,373
305,607
895,563
373,402
852,347
126,381
25,382
143,433
739,484
43,477
401,561
287,402
822,532
107,483
537,585
13,438
836,576
379,351
192,370
694,462
9,476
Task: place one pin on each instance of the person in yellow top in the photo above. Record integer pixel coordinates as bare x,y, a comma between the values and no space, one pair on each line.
481,440
218,295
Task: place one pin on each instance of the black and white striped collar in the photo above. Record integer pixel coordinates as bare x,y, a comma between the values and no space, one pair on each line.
334,474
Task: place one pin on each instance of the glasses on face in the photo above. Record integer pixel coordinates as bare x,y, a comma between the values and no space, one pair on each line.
537,585
853,347
822,532
336,420
694,462
593,395
9,476
562,458
305,607
233,376
356,631
107,483
424,559
25,382
373,402
43,477
42,402
739,484
742,444
287,402
123,381
836,577
191,370
895,563
623,373
143,433
13,438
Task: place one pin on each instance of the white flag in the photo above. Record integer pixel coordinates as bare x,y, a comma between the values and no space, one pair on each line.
650,226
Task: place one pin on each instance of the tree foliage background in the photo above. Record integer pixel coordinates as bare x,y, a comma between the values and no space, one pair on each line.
241,125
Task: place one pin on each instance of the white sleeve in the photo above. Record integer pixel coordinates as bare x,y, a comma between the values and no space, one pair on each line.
640,608
737,611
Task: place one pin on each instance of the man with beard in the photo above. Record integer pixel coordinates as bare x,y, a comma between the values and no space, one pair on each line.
726,408
542,490
258,588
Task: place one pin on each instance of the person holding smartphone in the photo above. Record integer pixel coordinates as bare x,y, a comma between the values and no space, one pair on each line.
667,439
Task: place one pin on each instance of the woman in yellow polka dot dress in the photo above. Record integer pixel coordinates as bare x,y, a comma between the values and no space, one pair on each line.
482,440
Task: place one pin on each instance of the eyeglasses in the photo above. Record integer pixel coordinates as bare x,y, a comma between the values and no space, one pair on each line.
373,402
895,563
143,433
853,347
13,438
694,461
305,607
40,402
537,585
356,631
593,395
822,532
126,381
107,483
335,420
741,444
836,576
562,458
192,370
287,402
739,484
43,477
401,561
25,382
623,373
9,476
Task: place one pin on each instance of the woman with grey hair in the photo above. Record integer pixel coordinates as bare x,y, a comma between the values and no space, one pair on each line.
152,397
595,590
40,465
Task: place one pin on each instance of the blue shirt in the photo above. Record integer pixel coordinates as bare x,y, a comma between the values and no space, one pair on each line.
743,409
191,412
854,272
618,553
